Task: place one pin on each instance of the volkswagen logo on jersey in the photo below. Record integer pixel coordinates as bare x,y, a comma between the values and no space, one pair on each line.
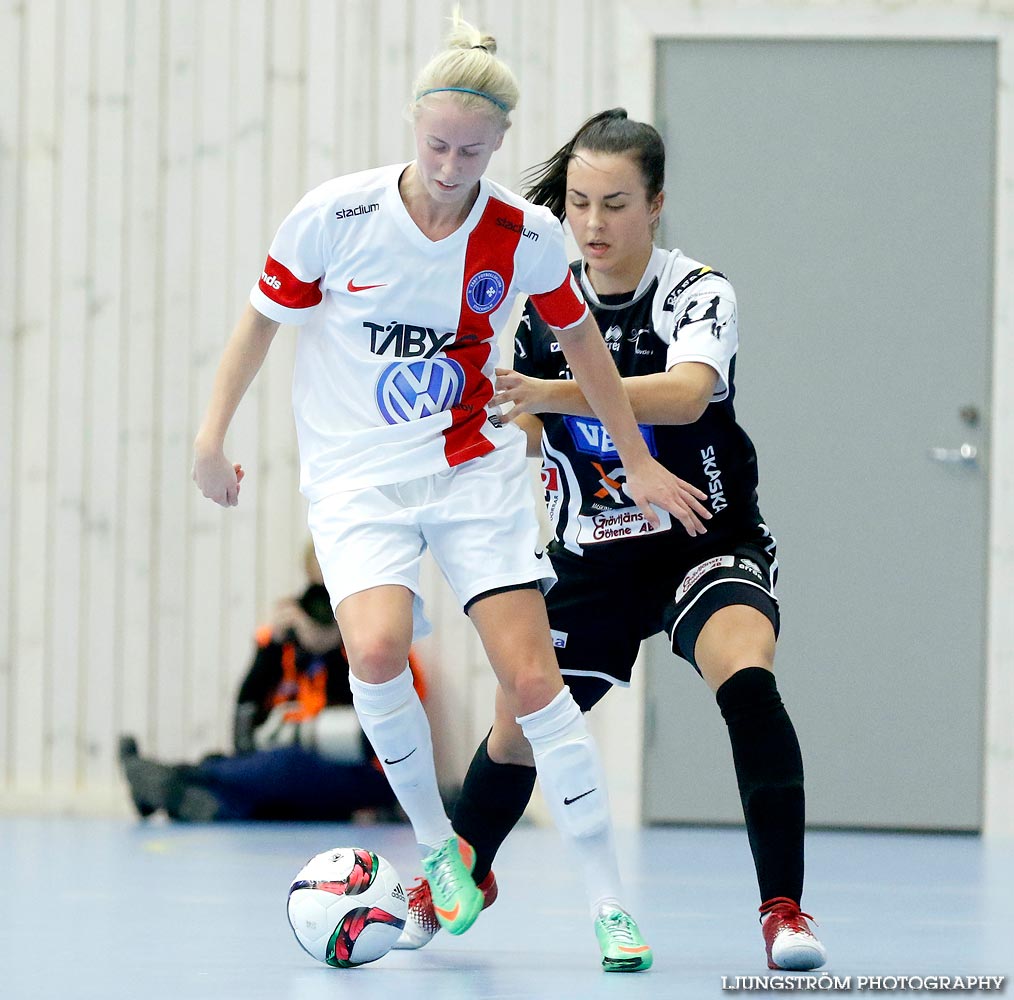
591,438
416,389
485,292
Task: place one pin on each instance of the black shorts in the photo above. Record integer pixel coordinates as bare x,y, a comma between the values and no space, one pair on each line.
599,614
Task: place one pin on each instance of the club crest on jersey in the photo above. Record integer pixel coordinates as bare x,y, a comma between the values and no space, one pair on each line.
485,292
416,389
591,438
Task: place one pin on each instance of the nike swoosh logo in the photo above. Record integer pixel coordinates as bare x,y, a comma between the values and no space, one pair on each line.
567,802
353,287
643,947
448,914
406,757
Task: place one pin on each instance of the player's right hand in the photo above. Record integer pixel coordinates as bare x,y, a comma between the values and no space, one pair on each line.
651,484
217,478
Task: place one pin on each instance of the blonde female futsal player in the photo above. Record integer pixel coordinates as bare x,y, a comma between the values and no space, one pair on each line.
401,278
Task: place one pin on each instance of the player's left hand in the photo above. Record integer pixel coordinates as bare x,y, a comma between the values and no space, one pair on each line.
649,483
527,394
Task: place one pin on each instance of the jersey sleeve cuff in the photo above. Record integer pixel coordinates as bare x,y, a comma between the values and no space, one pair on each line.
577,322
721,386
563,307
280,314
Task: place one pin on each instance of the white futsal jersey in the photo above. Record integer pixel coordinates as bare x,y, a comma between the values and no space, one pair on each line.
395,362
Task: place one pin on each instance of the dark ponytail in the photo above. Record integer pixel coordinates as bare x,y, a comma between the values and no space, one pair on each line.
607,132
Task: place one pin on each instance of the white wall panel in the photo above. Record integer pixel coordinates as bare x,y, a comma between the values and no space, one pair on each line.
69,359
143,183
212,316
136,442
103,622
239,572
33,373
325,57
281,508
361,76
12,26
173,333
396,70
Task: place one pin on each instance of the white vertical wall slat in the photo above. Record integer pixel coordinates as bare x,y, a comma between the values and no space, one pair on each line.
31,549
323,94
206,523
70,357
141,267
358,126
12,17
536,71
604,25
248,243
103,479
569,98
175,321
395,55
280,504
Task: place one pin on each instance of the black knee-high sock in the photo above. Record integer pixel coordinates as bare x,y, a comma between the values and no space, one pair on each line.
769,770
493,799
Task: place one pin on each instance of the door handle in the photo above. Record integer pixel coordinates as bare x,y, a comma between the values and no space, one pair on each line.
967,454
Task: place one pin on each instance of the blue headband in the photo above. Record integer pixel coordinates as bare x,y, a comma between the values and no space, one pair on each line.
502,105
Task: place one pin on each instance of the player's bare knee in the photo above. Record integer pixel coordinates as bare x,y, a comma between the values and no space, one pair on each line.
376,658
532,687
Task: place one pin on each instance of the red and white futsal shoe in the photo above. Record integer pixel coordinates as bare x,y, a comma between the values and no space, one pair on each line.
422,923
790,942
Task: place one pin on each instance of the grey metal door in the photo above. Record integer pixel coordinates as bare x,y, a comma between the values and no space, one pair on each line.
846,189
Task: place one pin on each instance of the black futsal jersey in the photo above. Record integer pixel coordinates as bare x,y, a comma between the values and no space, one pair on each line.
681,311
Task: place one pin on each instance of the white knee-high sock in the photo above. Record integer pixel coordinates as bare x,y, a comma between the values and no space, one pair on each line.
395,723
574,786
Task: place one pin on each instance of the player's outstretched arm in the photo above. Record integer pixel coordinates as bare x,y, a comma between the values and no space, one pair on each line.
216,477
678,396
647,482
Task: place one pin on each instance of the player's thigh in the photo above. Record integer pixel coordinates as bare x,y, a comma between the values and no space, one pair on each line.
370,551
729,601
514,630
734,637
597,617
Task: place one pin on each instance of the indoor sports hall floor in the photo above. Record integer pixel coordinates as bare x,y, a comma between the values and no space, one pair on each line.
111,909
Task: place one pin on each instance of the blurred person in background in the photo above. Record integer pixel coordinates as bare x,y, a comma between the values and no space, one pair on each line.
299,751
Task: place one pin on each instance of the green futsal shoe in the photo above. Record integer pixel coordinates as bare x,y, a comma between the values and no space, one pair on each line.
623,948
457,900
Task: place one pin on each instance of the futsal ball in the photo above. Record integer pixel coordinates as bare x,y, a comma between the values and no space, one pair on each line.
347,907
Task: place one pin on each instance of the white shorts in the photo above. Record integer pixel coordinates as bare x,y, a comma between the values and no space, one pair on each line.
478,519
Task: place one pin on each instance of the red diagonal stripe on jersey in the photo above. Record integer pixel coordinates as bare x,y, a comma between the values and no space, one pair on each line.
280,285
491,247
